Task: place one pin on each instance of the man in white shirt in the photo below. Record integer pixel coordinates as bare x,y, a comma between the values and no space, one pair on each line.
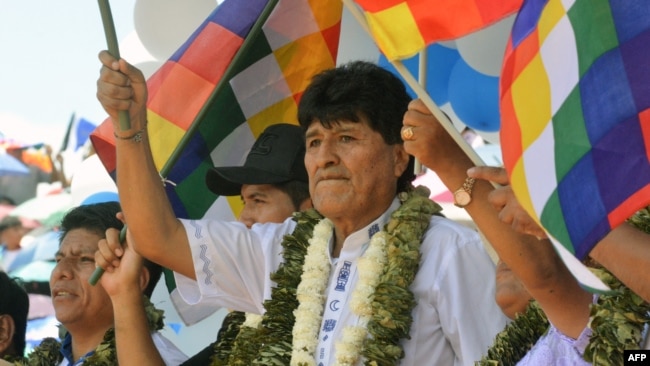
385,280
270,193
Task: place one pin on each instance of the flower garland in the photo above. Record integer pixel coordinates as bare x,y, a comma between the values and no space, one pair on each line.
518,337
47,353
617,321
391,302
371,266
311,296
270,341
222,347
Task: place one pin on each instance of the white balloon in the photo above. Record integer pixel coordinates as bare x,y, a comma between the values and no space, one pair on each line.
89,178
163,25
133,51
149,67
483,50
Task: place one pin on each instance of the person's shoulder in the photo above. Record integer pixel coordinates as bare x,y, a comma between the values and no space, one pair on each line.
439,225
448,236
274,229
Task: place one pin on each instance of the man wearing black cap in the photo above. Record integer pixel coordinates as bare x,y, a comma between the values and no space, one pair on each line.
272,182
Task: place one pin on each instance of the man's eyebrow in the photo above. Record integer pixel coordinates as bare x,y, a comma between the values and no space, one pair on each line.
76,252
311,134
255,194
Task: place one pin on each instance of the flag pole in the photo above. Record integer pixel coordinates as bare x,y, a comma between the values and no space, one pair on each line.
422,80
421,93
66,137
114,50
124,119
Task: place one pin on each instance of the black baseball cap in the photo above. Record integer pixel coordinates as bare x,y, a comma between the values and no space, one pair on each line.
277,156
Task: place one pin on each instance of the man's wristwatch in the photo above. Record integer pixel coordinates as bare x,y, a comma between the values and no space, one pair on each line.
463,195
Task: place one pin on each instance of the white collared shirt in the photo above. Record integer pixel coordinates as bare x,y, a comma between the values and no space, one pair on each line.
454,322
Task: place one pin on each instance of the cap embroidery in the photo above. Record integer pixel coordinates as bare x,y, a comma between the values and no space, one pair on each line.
263,145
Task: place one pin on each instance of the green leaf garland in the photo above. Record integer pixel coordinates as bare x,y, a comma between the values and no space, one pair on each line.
392,305
47,353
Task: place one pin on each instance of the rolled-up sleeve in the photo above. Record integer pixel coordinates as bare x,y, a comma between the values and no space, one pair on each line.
232,263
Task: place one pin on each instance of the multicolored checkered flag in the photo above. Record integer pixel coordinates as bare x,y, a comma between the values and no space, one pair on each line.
575,109
402,28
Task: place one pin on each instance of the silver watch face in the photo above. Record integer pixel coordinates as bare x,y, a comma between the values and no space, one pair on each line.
462,198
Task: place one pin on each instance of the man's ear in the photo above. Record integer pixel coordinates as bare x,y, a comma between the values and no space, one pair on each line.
7,329
401,159
144,278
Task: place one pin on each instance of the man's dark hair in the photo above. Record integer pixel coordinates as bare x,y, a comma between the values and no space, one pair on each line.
296,190
355,90
155,271
15,303
6,200
97,218
9,222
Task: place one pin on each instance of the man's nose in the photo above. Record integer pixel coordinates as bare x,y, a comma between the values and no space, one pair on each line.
246,217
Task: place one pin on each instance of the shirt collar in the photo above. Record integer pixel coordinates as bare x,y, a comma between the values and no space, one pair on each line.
360,238
66,351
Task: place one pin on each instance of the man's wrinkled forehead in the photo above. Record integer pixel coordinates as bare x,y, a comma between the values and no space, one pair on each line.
78,244
338,124
72,250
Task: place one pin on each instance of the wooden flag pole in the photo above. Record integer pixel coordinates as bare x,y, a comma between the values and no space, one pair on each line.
125,120
422,81
114,50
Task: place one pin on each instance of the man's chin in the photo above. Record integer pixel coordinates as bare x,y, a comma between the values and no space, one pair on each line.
332,207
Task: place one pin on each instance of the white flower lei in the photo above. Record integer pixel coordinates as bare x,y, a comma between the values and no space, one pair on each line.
311,298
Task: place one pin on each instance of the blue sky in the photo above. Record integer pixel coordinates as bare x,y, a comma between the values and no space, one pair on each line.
49,65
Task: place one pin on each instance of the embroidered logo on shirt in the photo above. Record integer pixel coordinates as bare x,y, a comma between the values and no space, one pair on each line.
374,229
334,305
329,324
344,275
